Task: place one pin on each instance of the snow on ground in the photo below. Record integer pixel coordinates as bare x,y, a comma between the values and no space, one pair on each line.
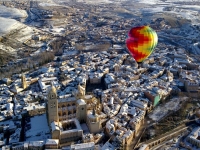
172,105
44,4
6,25
182,0
186,11
70,52
160,111
85,128
152,9
159,1
147,2
12,12
96,1
25,33
57,30
91,1
39,127
7,48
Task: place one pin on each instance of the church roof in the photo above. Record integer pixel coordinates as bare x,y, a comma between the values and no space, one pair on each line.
69,99
56,126
52,141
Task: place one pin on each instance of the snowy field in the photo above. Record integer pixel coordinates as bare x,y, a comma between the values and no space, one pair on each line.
7,25
159,1
20,32
160,111
179,7
7,19
7,48
39,127
47,3
12,12
189,12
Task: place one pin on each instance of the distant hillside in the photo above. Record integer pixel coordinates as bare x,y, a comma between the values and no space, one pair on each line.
12,13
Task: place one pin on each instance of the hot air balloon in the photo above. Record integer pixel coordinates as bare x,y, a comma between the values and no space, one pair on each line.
141,42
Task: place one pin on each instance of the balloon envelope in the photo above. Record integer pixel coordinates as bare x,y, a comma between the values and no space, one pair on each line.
141,42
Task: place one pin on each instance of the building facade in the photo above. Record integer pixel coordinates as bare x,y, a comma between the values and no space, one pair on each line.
65,116
52,105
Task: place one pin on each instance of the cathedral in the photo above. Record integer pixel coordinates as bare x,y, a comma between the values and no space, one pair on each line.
66,115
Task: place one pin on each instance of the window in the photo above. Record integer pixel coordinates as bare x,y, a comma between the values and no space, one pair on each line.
52,96
82,108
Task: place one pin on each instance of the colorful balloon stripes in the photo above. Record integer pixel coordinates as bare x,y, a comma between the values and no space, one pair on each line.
141,42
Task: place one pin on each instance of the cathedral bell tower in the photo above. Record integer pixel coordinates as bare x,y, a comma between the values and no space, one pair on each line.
52,105
94,122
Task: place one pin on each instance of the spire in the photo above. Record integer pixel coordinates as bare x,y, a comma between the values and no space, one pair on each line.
23,81
52,88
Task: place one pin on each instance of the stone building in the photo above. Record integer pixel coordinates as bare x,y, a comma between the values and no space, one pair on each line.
81,112
65,116
153,97
33,109
52,105
191,86
126,139
39,145
116,68
93,122
52,144
66,131
144,147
